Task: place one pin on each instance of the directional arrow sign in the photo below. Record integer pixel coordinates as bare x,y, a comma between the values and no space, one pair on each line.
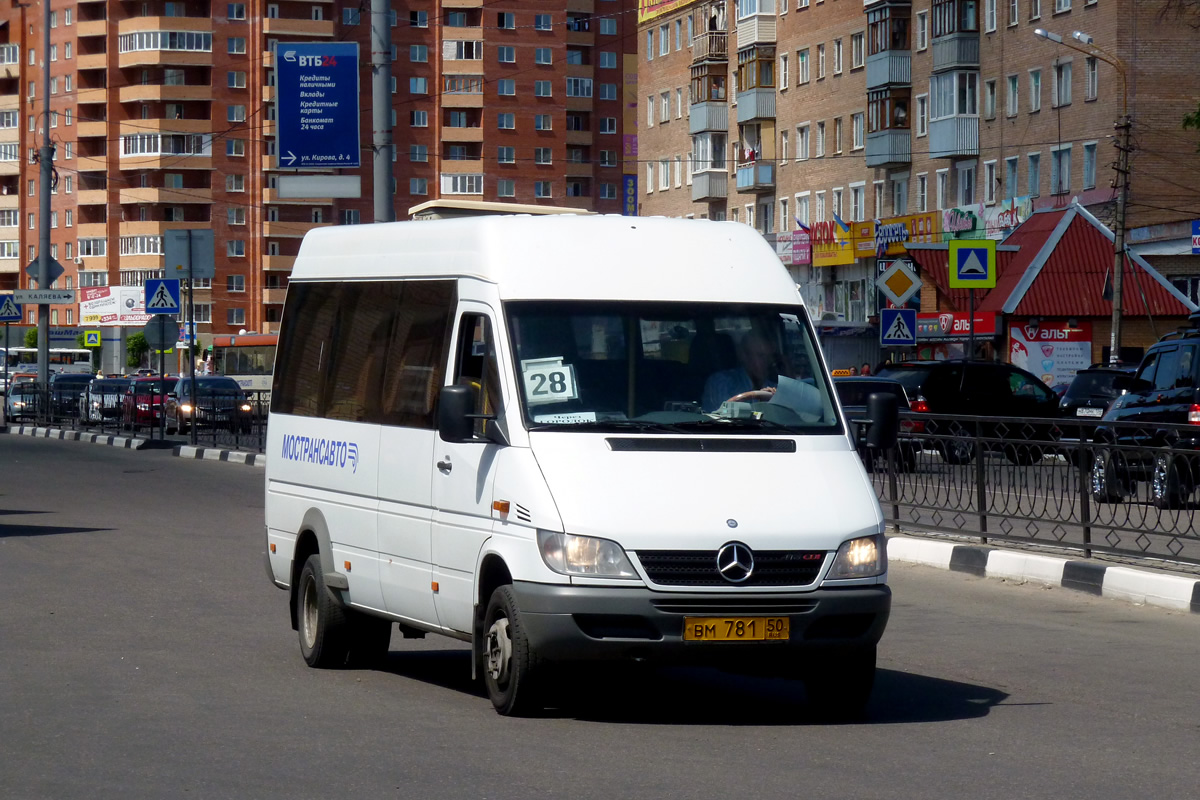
317,97
10,311
44,297
33,270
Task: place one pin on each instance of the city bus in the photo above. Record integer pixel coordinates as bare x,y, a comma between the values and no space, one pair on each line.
62,359
248,359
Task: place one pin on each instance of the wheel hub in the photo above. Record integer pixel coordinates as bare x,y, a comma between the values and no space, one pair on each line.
499,650
309,614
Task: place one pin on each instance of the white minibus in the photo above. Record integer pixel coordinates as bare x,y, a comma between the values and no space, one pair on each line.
569,440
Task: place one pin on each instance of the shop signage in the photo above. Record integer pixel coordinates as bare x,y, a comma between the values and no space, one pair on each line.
1054,351
981,221
831,244
955,325
880,238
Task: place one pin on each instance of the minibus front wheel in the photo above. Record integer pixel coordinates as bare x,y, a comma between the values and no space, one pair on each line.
510,662
323,625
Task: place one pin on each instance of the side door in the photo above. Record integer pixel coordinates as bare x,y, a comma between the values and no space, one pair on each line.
1179,397
464,473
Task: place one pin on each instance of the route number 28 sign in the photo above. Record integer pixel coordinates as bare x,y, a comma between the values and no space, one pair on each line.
548,380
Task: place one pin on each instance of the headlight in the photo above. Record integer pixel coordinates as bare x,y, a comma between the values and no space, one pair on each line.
246,407
185,408
865,557
584,555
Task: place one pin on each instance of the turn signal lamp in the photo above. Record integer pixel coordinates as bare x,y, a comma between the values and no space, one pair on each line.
1194,415
500,505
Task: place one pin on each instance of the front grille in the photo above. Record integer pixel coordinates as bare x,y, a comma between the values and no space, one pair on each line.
733,605
699,567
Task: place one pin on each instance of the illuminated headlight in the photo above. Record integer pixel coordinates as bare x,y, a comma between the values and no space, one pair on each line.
246,407
584,555
865,557
185,408
18,404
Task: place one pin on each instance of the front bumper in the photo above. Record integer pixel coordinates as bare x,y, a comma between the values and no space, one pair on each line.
588,623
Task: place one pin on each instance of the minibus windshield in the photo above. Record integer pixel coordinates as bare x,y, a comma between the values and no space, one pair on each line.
656,367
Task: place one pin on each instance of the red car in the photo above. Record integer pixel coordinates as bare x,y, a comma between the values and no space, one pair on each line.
143,402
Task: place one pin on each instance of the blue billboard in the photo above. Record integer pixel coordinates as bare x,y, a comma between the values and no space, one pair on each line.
317,101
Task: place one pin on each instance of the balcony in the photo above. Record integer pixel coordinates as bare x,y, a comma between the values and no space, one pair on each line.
92,230
953,137
91,27
268,94
755,177
98,128
156,228
271,197
955,51
275,26
462,3
85,96
134,127
580,137
10,167
888,148
156,194
756,104
151,93
278,263
274,296
450,134
173,161
573,169
461,166
8,201
710,184
91,197
92,61
756,29
890,67
291,229
462,100
710,46
166,58
89,163
710,116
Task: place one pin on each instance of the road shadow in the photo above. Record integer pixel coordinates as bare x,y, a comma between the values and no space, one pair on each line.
11,531
645,695
19,511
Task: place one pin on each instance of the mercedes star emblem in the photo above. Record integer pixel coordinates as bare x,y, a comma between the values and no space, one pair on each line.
735,562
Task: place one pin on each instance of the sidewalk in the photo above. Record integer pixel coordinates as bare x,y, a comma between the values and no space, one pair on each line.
1143,586
137,443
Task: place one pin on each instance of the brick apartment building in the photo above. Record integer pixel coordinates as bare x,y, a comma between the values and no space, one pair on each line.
920,121
163,116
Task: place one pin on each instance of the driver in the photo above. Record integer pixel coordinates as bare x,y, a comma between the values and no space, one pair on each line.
754,373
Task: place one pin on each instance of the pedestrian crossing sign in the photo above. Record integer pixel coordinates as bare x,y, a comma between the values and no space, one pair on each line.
162,296
897,327
10,310
973,264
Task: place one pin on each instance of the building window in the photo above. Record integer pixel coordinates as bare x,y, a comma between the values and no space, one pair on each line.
1035,174
1089,166
542,122
820,139
989,182
418,153
418,19
235,113
608,25
943,188
541,22
506,121
418,186
922,193
989,16
922,30
506,87
837,56
1012,12
783,72
541,89
418,86
1035,90
783,147
1061,90
543,155
954,94
418,119
857,203
664,40
857,120
543,189
507,55
820,61
966,184
1013,97
582,87
235,248
989,99
1093,79
1010,177
955,16
1035,9
236,45
857,54
802,136
802,66
899,196
1061,6
608,124
1060,169
922,114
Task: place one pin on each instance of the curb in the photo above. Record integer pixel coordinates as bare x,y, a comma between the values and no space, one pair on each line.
217,454
127,442
1138,586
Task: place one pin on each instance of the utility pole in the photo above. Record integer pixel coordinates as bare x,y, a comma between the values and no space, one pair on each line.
46,164
381,109
1123,144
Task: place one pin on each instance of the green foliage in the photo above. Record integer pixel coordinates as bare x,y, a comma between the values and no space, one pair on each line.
136,348
31,337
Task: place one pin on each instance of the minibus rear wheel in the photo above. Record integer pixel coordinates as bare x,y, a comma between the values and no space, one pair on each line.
510,663
323,626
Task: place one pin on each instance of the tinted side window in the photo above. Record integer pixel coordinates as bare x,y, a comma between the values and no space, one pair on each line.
1185,377
476,366
1148,367
416,361
306,331
1022,385
358,351
1168,368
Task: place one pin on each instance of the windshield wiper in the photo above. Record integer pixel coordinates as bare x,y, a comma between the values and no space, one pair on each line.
741,422
610,424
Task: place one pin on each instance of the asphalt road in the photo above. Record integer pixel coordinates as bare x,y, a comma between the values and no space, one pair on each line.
143,654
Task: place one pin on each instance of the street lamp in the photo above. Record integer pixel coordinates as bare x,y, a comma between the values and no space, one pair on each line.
1123,127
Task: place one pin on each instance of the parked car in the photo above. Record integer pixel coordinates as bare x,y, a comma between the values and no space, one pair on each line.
64,393
1092,391
21,401
100,401
961,387
854,393
143,402
1163,398
216,401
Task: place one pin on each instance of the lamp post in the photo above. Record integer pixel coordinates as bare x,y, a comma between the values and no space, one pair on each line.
1123,127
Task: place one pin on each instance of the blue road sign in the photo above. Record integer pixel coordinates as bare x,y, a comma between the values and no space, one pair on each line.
1196,237
10,310
897,327
162,296
973,264
317,100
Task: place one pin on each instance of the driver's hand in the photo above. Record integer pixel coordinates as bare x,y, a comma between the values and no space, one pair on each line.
768,389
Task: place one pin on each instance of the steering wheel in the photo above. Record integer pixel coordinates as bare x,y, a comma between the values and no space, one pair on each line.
756,395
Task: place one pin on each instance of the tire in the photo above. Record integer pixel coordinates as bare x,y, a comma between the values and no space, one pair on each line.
1110,483
1023,455
510,663
324,631
956,451
839,687
1168,488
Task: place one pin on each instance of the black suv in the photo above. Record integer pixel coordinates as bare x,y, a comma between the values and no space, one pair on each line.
1159,409
854,393
961,387
1091,391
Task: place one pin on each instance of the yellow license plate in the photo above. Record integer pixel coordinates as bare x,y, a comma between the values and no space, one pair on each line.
735,629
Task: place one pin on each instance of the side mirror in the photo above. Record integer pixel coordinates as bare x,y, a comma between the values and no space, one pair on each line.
884,410
454,405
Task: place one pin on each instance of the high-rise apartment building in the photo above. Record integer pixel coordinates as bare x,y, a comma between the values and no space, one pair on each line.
950,118
163,116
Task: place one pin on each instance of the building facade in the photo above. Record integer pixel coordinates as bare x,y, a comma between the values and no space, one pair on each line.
866,127
163,116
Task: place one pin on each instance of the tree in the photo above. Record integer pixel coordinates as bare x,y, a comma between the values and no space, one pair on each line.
136,348
31,337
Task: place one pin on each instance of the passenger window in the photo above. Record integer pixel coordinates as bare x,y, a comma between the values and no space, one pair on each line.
1184,378
476,366
416,359
1024,386
1147,369
1168,368
303,359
